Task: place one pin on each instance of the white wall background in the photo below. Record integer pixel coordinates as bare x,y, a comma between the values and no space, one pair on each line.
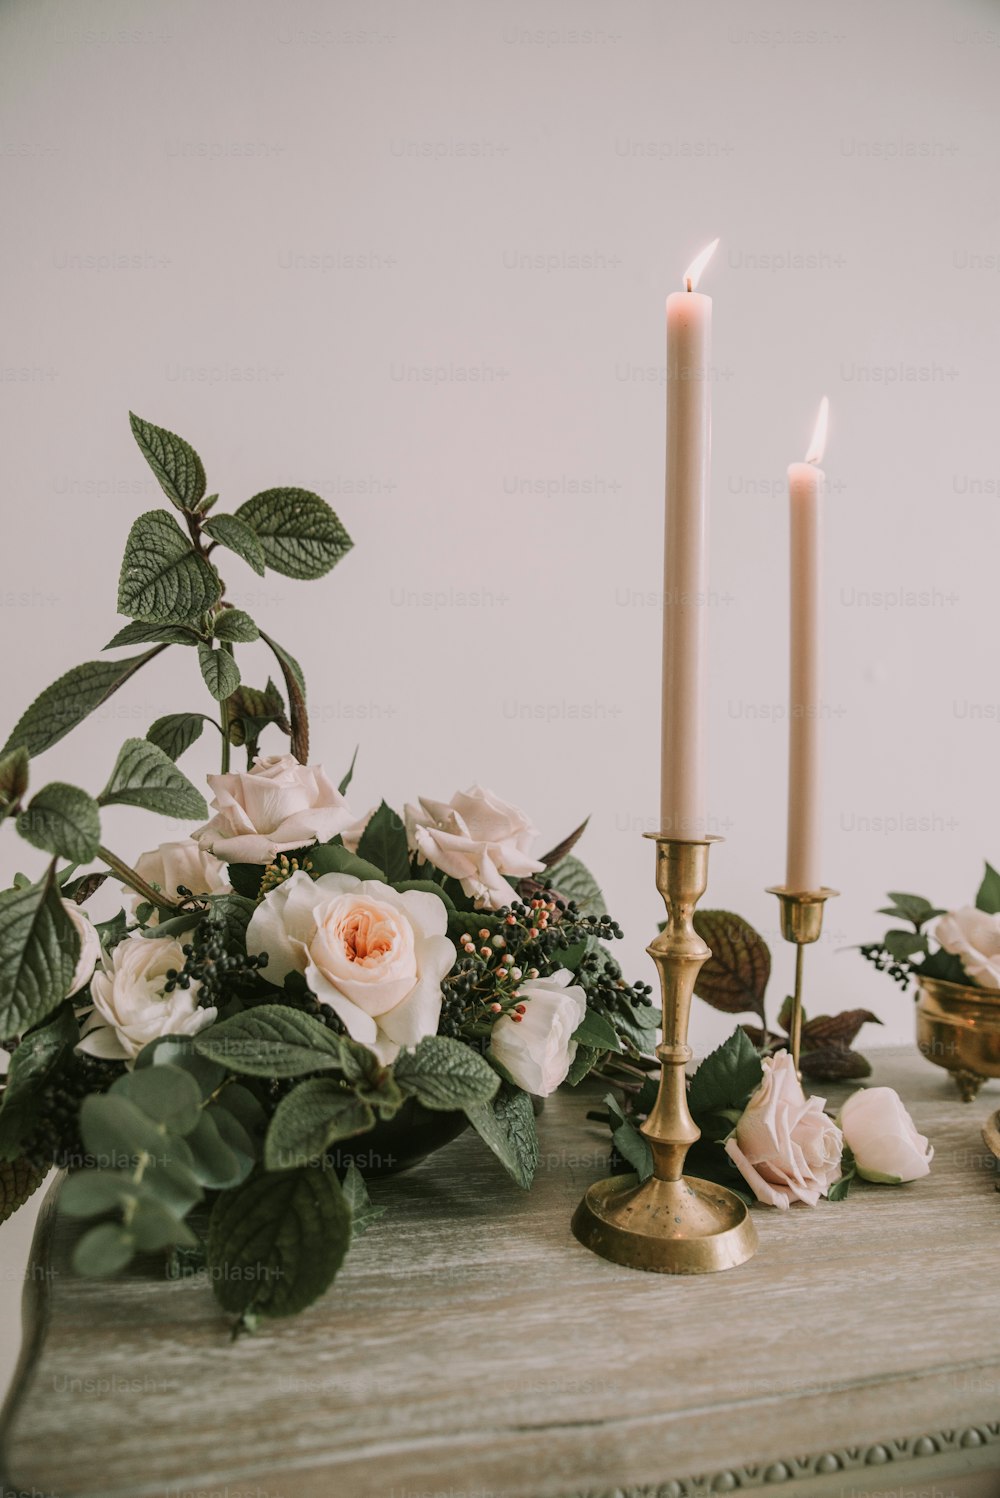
187,188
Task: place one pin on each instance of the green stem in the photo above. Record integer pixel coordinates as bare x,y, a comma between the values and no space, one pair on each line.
224,713
135,881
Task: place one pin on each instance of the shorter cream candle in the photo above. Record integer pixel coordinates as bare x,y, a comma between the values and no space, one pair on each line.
805,490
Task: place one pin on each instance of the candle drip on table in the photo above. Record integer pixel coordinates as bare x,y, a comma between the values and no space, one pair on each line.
802,896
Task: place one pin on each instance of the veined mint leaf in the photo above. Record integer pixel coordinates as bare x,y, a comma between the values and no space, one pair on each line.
299,532
144,776
233,533
64,820
443,1074
220,671
163,579
69,700
39,948
178,468
176,732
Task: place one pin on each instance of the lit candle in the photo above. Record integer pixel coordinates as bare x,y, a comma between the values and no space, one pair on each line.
685,570
805,490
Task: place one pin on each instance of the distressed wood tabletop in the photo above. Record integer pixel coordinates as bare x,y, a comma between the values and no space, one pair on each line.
471,1348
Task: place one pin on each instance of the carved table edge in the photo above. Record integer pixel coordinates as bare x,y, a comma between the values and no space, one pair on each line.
894,1461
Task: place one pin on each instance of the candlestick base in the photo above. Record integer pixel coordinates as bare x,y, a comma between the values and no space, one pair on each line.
802,924
671,1223
688,1226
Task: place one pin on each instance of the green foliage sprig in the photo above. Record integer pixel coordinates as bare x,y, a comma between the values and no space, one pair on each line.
909,952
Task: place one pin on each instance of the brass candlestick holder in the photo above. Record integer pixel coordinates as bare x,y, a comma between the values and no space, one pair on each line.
801,923
672,1223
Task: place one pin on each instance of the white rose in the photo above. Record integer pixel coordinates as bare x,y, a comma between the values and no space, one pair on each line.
784,1146
375,955
974,937
537,1047
882,1137
131,1005
275,807
182,863
90,947
478,839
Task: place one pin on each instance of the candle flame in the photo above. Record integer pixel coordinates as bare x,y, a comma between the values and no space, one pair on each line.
693,273
817,446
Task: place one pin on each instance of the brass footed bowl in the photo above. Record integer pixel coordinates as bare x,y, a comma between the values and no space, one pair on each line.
958,1027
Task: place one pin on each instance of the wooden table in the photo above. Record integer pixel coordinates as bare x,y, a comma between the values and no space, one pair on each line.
472,1349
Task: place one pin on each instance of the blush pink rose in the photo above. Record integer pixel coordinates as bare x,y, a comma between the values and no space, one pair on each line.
784,1146
273,808
479,840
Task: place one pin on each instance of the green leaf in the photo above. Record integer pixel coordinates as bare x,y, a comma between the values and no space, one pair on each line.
138,633
235,625
14,780
363,1214
903,945
176,732
221,673
271,1040
19,1180
175,463
163,579
90,1192
726,1078
154,1227
426,887
116,1132
104,1251
63,820
443,1074
583,1064
597,1032
507,1125
944,966
371,1079
145,776
295,686
275,1244
69,700
215,1163
331,858
384,844
572,880
912,908
988,898
233,533
299,532
735,977
848,1165
31,1065
635,1148
167,1094
39,948
311,1118
345,783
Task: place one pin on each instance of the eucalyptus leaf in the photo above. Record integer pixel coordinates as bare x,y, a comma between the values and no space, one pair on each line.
104,1251
167,1094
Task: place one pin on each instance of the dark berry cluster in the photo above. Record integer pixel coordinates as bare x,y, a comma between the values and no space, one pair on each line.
210,961
55,1139
518,943
883,961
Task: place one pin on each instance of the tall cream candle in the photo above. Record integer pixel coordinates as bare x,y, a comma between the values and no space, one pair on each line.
805,490
685,571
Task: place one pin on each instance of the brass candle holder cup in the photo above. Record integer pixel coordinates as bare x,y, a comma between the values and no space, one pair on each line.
671,1223
802,924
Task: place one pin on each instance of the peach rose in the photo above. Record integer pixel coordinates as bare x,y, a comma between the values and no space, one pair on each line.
377,956
784,1146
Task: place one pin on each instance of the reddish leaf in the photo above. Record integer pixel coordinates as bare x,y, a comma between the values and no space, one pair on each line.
838,1029
734,979
834,1063
567,845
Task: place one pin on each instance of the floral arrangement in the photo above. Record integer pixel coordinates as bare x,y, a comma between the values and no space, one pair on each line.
765,1139
963,947
291,988
735,980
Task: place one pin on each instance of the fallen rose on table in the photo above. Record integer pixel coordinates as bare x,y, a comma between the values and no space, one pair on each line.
760,1131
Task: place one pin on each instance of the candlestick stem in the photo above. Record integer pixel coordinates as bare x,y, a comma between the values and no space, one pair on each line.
801,923
671,1223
